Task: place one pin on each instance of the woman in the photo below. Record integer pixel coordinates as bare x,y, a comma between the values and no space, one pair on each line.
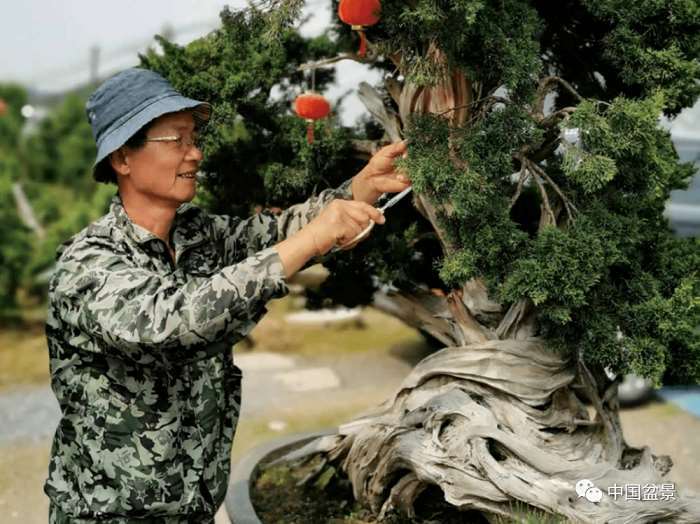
146,302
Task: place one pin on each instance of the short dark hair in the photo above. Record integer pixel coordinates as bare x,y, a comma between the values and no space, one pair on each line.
103,170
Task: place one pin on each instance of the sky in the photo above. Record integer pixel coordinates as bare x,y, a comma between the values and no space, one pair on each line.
46,43
48,38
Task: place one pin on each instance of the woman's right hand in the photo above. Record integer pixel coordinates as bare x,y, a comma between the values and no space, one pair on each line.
340,222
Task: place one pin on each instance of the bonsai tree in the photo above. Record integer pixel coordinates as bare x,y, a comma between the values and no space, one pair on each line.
535,247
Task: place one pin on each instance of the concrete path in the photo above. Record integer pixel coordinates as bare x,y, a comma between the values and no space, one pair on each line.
28,414
32,413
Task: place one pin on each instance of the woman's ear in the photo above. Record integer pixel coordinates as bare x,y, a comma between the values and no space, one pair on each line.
119,162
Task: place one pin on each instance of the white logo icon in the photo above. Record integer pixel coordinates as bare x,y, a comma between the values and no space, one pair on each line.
585,488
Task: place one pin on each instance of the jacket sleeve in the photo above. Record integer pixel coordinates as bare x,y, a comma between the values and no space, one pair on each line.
265,229
144,316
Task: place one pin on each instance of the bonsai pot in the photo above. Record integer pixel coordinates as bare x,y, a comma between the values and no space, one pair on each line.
238,499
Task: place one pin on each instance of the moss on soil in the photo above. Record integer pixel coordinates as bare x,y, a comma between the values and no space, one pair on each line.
279,498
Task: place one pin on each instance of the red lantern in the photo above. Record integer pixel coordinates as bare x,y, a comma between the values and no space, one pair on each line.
359,14
311,106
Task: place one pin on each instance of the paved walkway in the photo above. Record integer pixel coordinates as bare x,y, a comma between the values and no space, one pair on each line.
685,397
270,381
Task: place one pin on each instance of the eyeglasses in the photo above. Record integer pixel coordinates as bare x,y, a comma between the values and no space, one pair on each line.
184,143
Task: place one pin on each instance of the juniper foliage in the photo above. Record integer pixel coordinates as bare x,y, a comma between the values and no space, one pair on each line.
607,275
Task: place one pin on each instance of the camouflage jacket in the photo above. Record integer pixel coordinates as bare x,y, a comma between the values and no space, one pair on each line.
141,361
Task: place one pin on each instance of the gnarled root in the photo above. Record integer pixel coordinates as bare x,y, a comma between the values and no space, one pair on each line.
495,423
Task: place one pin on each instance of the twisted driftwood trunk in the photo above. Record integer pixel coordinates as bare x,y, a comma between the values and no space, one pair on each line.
495,422
495,417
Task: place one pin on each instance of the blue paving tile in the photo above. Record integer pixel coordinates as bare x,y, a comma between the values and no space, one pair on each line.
686,397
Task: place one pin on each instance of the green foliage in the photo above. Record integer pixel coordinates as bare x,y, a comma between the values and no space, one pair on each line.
610,48
11,122
62,149
496,42
653,45
459,267
624,133
488,144
63,212
661,323
613,257
591,172
15,245
474,211
65,198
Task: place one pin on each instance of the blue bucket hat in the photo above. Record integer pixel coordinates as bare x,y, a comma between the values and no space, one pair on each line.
126,102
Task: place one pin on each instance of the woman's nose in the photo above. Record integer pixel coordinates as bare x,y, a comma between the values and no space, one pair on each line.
194,153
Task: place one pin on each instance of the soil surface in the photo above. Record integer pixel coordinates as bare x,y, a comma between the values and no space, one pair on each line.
284,495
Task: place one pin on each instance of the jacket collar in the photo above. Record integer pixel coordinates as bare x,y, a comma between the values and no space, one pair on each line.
187,229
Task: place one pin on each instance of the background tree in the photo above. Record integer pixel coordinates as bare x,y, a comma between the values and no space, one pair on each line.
535,247
57,177
15,245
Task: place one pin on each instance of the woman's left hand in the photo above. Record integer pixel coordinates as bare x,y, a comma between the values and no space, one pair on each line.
380,175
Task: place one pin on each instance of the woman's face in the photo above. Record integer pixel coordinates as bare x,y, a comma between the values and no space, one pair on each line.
164,171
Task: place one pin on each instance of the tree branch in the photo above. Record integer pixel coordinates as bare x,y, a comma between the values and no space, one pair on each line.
423,236
538,175
364,149
430,213
472,331
545,200
389,120
545,86
616,445
523,176
554,118
570,207
332,60
516,323
421,310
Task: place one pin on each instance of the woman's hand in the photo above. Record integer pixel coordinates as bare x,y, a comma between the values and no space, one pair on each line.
340,222
380,175
337,224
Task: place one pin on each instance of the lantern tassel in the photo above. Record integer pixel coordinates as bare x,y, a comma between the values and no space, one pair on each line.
363,44
310,132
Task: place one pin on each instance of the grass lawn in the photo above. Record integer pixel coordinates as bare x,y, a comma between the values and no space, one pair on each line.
23,356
